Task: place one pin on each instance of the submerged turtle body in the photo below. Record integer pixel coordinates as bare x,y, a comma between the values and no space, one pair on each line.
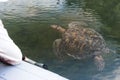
80,42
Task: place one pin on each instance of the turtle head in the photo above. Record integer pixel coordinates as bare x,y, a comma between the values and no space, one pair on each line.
58,28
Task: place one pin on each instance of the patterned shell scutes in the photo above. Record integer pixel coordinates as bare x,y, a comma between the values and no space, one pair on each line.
82,42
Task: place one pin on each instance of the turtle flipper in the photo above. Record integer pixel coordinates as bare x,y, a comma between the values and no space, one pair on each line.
57,48
99,62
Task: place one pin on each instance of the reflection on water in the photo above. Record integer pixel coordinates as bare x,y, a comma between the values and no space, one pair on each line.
25,6
28,23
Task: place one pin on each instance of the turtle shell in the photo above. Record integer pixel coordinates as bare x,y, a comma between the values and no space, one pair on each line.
81,42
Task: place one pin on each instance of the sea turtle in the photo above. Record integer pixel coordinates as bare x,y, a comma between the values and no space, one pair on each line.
80,42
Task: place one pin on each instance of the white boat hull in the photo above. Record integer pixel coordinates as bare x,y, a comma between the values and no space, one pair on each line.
26,71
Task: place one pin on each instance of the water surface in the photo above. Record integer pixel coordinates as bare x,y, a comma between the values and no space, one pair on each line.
28,23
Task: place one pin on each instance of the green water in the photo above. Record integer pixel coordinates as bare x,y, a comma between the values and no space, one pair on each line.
28,23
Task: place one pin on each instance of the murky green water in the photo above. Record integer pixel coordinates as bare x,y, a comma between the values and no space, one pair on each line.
28,23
